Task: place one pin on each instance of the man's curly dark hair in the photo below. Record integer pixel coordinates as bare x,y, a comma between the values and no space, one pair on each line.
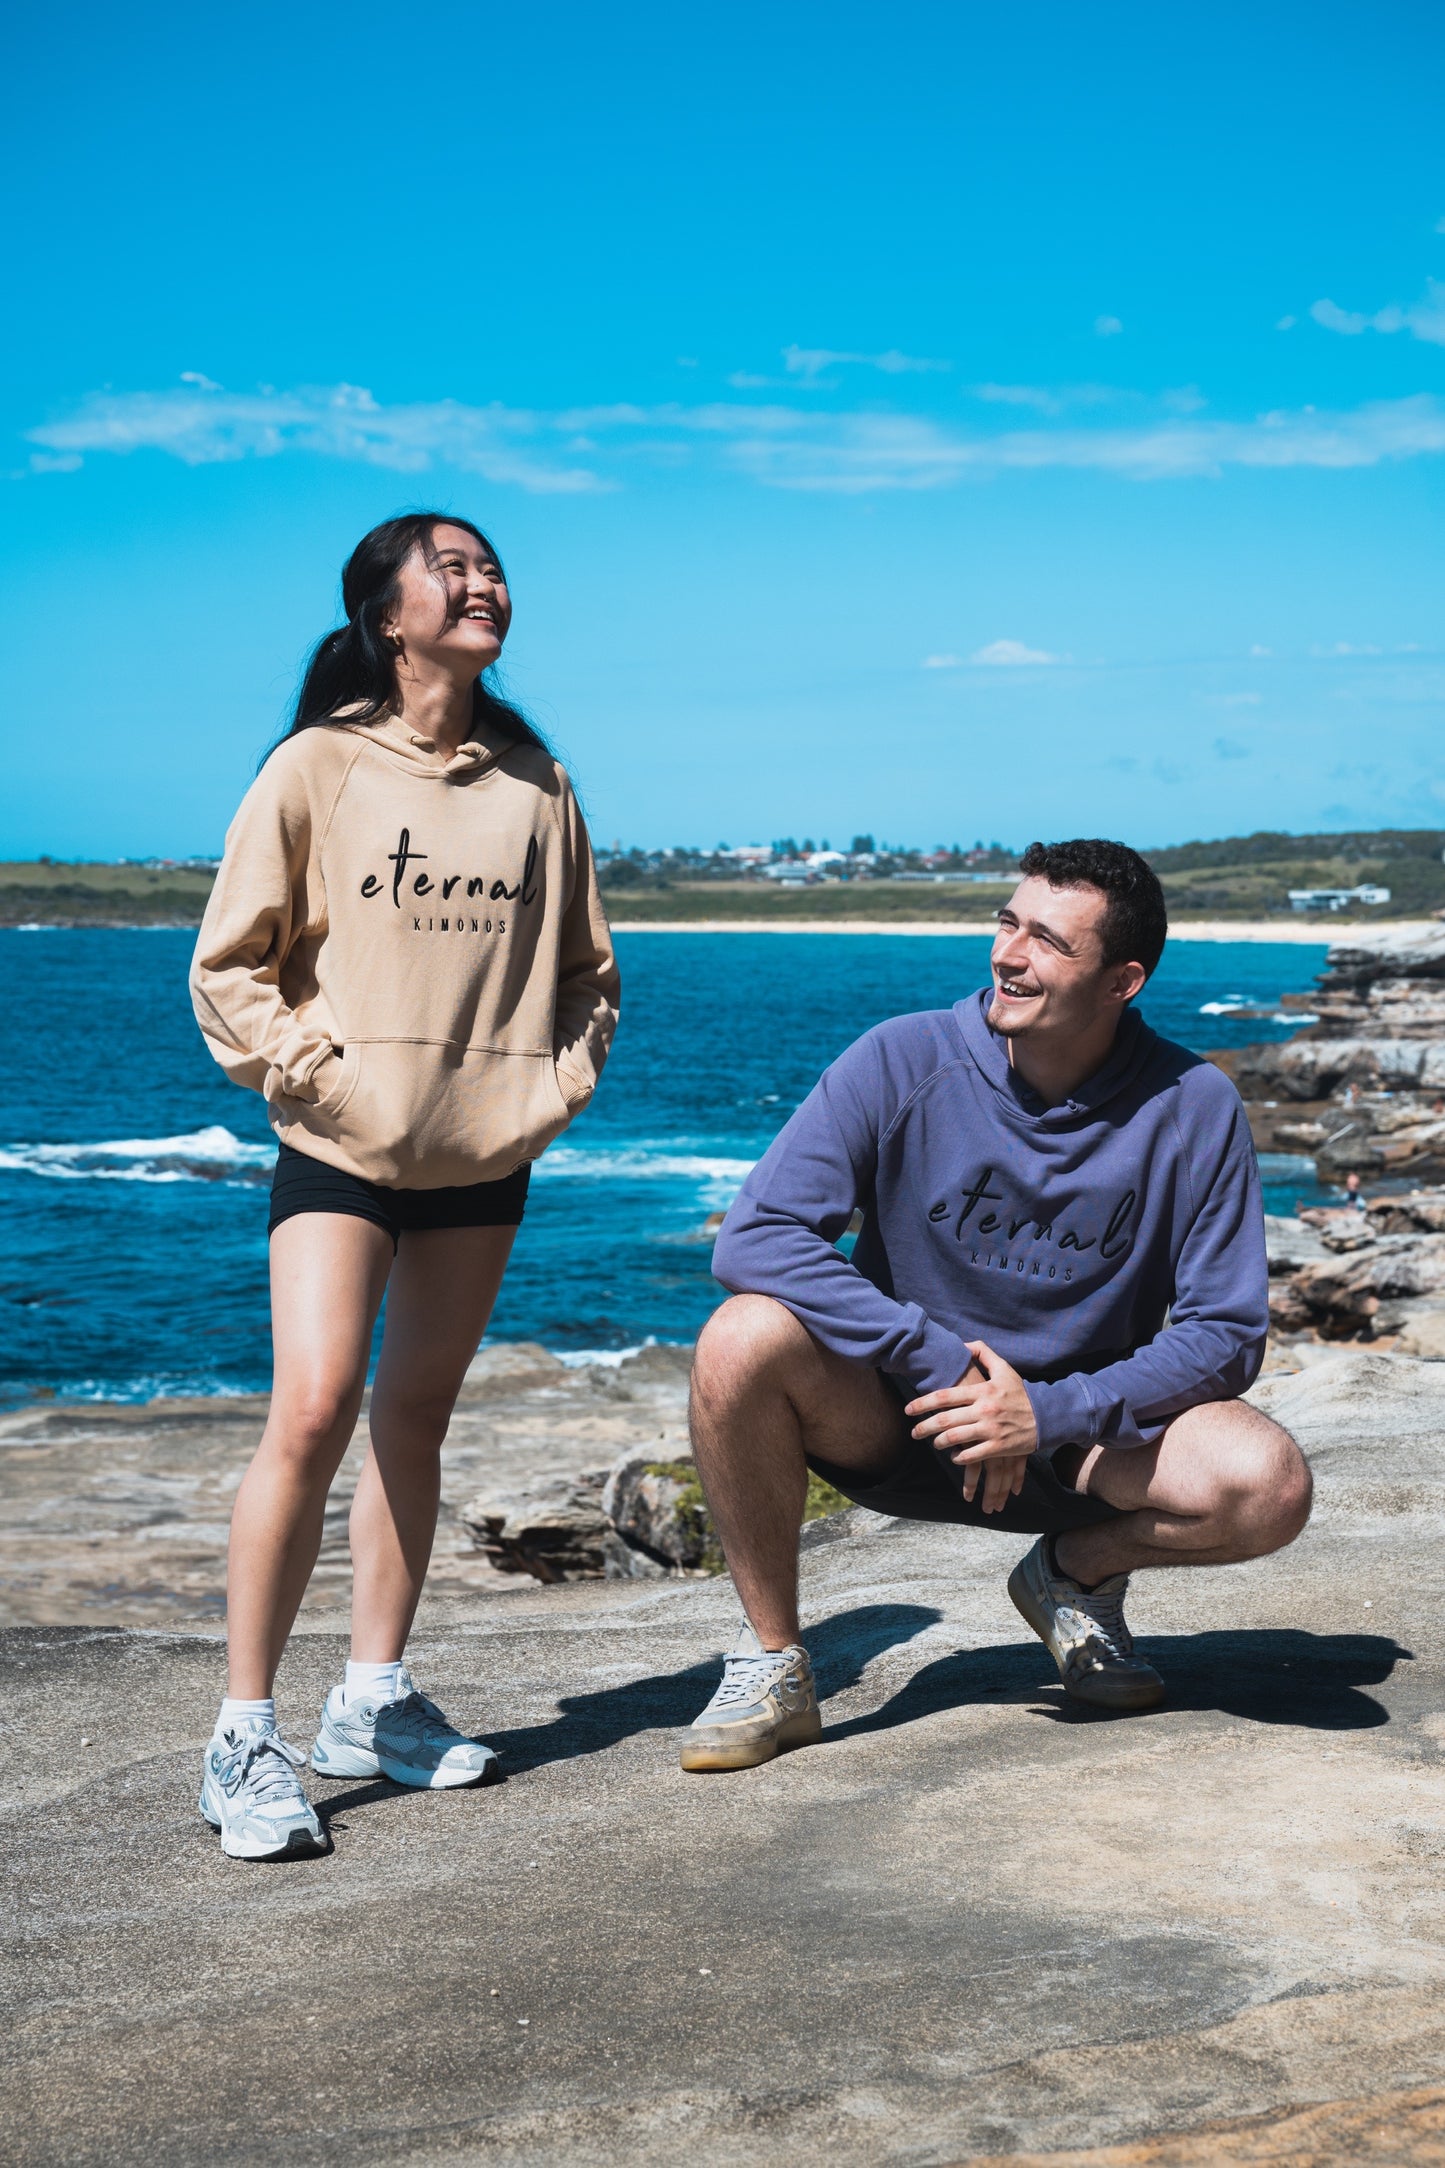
1135,923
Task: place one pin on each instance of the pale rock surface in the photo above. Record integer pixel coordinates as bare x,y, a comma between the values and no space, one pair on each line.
974,1921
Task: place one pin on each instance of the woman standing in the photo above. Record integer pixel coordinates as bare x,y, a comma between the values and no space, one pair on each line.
405,951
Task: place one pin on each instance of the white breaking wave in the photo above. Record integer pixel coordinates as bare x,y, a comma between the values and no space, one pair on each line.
605,1358
1233,1004
718,1180
202,1155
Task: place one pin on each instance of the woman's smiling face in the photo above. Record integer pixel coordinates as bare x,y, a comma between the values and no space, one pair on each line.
453,609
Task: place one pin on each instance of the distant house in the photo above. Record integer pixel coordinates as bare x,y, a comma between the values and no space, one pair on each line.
1336,899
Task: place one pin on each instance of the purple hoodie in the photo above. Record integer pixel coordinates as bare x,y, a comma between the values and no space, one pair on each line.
1060,1235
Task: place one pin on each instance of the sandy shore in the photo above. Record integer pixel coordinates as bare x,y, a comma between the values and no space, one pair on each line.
1312,933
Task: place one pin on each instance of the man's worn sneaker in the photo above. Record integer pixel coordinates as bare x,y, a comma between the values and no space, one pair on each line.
250,1792
767,1703
408,1740
1084,1631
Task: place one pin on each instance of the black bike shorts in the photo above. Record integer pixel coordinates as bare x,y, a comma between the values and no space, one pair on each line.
301,1184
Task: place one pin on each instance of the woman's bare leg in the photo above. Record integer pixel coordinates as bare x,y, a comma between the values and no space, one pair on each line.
442,1289
328,1273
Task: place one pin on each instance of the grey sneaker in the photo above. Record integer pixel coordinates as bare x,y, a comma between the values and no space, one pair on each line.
767,1703
250,1792
408,1740
1084,1630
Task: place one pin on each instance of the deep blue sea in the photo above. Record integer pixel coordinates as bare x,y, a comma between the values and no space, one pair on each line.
133,1175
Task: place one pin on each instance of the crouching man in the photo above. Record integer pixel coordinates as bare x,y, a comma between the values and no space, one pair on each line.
1057,1298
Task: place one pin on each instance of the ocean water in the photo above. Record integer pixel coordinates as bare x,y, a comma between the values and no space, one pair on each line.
133,1175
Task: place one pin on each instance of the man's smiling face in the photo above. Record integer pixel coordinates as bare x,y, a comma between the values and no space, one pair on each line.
1050,979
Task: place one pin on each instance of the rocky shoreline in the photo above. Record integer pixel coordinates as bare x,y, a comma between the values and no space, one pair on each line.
1361,1090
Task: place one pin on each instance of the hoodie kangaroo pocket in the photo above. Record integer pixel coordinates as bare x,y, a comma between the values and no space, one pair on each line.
430,1117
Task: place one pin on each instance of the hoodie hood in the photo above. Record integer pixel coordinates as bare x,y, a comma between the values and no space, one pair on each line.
1135,1046
418,755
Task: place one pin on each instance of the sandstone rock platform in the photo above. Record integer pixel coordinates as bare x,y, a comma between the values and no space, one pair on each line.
973,1922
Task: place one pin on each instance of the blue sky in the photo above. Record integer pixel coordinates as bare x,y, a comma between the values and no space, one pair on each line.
948,421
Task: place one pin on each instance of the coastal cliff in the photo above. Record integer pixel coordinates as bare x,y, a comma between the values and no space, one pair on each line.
1361,1089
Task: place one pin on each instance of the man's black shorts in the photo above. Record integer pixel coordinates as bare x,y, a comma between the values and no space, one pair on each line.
923,1485
302,1184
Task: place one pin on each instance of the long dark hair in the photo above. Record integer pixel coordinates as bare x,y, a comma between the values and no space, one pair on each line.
355,667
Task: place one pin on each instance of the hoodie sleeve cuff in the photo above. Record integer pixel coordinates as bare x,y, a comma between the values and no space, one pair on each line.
1063,1413
941,1361
296,1065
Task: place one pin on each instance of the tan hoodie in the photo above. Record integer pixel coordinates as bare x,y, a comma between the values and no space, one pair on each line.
407,954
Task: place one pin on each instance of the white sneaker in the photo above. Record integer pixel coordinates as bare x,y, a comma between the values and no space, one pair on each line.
250,1792
408,1740
1086,1633
767,1702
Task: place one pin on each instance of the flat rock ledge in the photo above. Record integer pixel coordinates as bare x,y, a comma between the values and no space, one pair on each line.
973,1924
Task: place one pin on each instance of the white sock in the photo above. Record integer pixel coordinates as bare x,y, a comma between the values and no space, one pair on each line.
237,1713
376,1682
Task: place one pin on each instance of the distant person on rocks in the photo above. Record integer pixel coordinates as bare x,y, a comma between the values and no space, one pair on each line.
406,953
1058,1295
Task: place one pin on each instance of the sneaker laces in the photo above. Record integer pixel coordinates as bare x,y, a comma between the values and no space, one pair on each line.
272,1782
747,1678
427,1717
1102,1610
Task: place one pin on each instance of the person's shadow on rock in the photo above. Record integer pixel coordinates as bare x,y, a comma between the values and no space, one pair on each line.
841,1647
1264,1675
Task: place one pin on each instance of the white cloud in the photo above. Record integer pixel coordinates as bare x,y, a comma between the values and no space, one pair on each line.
1256,649
780,445
204,426
1012,654
809,362
1286,323
1107,327
1440,225
1345,647
941,662
1424,319
202,383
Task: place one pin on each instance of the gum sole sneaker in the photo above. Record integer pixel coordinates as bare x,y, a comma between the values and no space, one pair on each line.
408,1740
1085,1632
766,1704
251,1793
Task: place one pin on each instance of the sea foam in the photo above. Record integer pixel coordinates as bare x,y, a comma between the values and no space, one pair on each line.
201,1155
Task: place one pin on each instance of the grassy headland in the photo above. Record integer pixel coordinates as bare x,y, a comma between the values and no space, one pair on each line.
1240,878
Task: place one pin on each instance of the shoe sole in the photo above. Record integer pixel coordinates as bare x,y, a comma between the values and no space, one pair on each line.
299,1845
1126,1696
804,1730
352,1764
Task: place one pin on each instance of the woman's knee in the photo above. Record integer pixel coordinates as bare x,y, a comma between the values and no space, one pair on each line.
312,1420
413,1417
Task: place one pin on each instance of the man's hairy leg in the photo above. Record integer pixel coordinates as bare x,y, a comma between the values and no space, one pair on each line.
1224,1483
764,1395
